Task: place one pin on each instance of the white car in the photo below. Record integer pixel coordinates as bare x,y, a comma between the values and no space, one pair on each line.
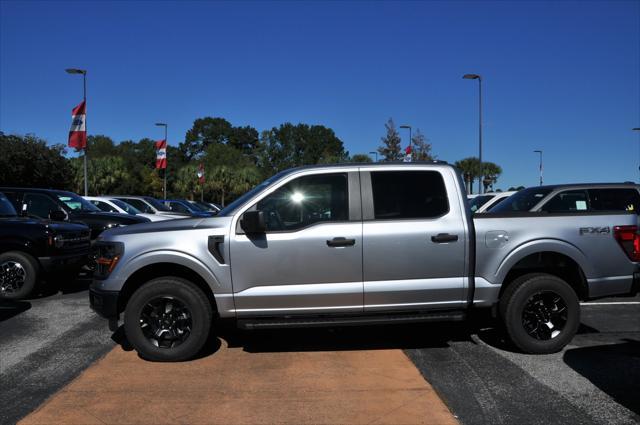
108,204
484,203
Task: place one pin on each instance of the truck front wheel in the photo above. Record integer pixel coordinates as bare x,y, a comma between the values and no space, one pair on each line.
541,313
168,319
18,275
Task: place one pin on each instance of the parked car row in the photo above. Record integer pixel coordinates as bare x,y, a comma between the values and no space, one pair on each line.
44,232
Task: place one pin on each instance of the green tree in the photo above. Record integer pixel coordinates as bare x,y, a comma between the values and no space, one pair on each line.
205,131
100,146
490,174
227,181
361,157
186,184
295,145
421,149
106,175
29,161
470,169
391,148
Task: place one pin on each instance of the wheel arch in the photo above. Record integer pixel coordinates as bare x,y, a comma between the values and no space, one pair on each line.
551,262
163,269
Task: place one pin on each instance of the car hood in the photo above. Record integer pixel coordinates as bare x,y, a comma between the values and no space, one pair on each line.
125,219
55,226
169,226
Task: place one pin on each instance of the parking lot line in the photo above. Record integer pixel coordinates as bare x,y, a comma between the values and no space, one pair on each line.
613,303
233,386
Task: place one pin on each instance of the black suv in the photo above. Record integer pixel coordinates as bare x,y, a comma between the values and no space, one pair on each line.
31,246
66,206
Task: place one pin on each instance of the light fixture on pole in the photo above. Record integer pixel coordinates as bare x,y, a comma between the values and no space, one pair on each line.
479,78
540,152
374,153
83,72
164,183
405,126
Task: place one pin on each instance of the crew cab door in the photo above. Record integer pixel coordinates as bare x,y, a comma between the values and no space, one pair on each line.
414,240
309,258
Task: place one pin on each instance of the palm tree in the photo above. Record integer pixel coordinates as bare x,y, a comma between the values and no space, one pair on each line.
491,172
470,169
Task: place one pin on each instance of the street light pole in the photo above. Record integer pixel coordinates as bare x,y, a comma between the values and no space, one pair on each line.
375,153
410,137
84,99
479,78
540,152
164,183
637,129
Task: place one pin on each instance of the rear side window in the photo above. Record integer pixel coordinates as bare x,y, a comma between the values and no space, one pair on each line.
408,195
103,206
568,201
178,207
40,205
141,205
615,200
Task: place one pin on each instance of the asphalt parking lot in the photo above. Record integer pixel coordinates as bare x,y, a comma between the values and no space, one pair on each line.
48,341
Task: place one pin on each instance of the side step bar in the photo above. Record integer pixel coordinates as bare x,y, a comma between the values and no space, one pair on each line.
377,319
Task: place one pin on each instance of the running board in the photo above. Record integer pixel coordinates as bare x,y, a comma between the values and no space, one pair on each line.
378,319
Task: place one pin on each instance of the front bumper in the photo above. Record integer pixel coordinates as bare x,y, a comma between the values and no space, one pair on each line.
63,262
105,303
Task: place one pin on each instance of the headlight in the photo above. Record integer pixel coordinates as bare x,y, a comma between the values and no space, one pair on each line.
58,241
107,255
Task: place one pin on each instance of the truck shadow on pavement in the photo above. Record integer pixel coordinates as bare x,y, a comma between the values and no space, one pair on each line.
9,309
614,369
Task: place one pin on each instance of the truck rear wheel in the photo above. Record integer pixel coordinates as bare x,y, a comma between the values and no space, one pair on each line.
18,275
168,319
541,313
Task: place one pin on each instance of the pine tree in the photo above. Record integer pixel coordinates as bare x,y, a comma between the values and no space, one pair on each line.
391,148
421,149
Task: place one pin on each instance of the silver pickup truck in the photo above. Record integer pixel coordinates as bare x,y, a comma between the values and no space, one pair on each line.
359,244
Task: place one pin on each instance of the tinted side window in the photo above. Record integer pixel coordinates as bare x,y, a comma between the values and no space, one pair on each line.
615,200
40,205
305,201
408,194
104,206
139,205
178,207
568,201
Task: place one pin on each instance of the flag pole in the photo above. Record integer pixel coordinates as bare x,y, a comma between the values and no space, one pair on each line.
164,189
84,98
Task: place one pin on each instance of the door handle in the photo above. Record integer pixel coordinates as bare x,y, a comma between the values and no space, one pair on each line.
444,237
337,242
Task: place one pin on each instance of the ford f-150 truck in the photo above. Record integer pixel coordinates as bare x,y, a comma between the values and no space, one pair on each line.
360,244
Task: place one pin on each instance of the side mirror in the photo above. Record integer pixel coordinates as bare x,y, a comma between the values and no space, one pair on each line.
57,215
253,222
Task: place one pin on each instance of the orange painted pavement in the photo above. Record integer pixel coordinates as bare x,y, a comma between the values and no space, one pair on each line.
232,386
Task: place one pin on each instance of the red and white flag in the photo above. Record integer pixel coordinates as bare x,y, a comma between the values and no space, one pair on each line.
161,154
407,151
201,173
78,131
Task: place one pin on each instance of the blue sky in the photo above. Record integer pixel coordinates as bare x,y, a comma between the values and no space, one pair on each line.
559,76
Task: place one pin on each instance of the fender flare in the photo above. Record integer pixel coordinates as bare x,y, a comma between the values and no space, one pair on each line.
149,258
539,246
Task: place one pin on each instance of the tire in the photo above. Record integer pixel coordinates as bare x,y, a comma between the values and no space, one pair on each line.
541,313
18,275
183,330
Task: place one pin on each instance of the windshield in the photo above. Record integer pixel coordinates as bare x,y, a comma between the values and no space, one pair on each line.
479,201
524,200
6,209
157,204
195,207
130,209
77,203
232,207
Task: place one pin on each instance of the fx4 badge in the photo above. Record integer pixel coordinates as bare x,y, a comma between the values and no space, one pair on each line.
594,231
